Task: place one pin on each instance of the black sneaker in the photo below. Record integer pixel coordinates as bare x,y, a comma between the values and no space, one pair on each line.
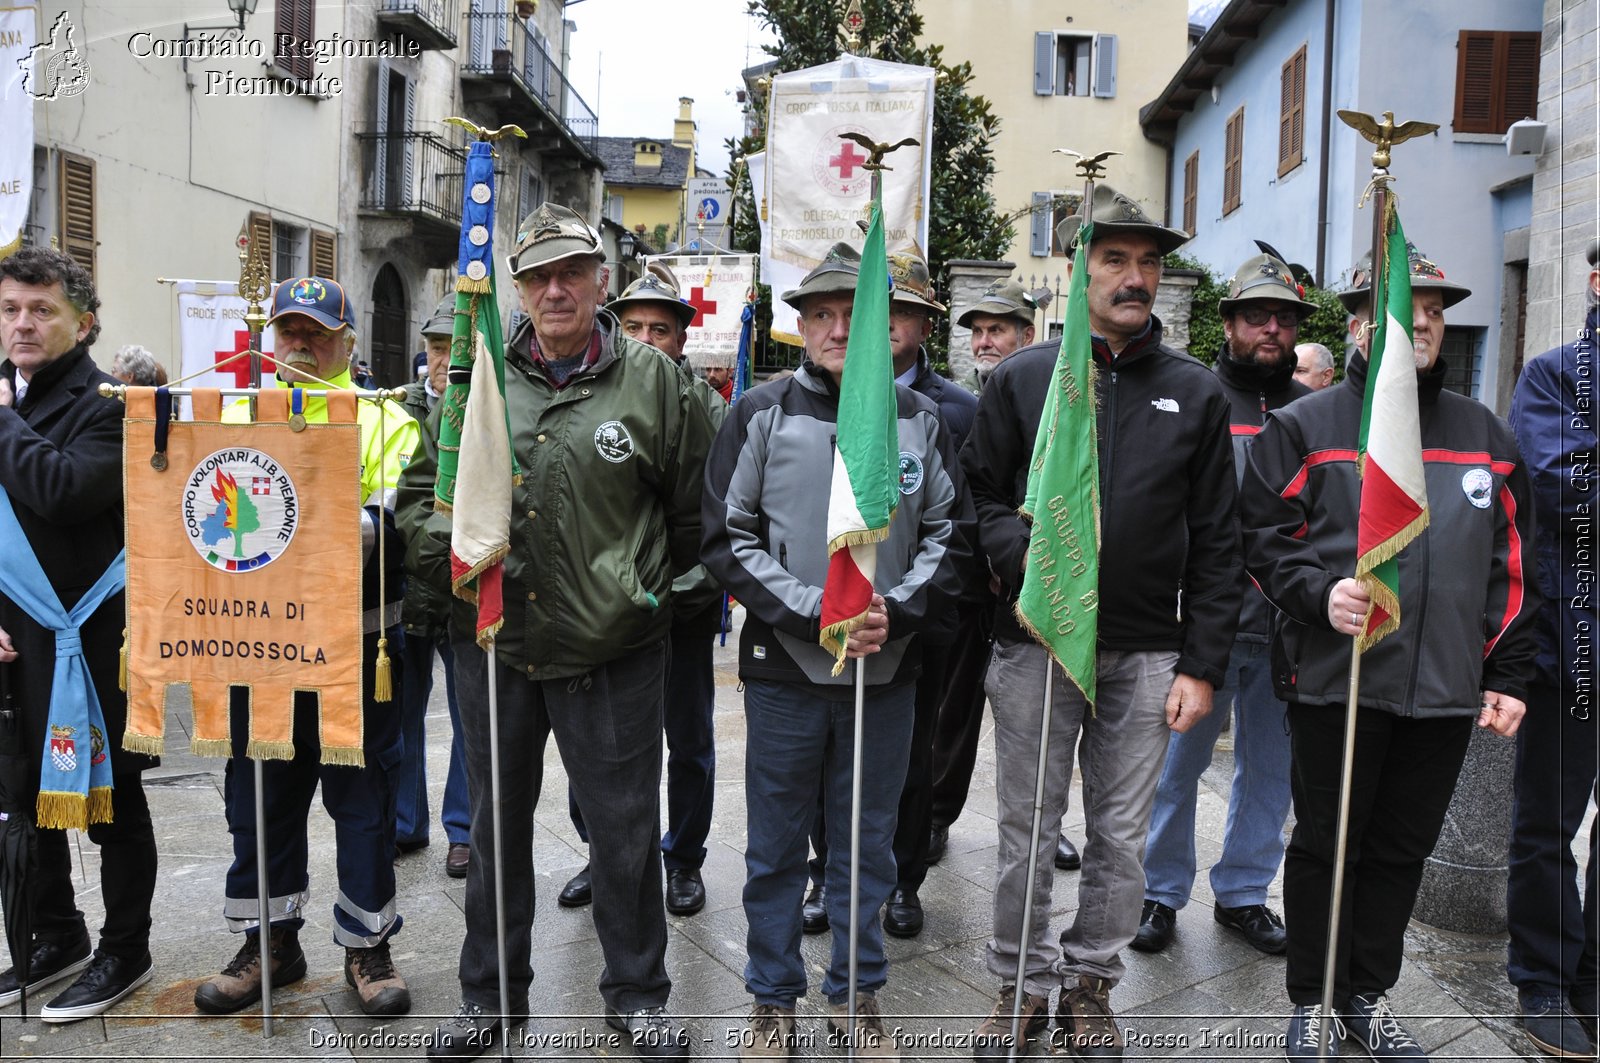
105,981
1307,1028
1260,926
1156,925
470,1033
50,963
1553,1028
1373,1025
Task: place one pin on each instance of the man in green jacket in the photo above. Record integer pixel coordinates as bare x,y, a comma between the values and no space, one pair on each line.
611,443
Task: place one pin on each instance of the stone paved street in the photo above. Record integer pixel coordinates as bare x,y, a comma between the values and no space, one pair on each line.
1208,997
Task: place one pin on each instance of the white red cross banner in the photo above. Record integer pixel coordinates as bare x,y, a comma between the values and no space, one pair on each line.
717,286
17,39
816,184
210,330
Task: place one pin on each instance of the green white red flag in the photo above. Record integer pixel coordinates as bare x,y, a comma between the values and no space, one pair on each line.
1060,599
866,458
477,469
1394,497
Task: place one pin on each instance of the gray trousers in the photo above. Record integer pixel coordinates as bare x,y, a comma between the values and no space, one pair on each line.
607,725
1124,745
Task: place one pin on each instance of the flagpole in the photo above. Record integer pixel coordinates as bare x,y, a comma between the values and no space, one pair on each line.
253,286
1383,136
855,839
1090,170
499,858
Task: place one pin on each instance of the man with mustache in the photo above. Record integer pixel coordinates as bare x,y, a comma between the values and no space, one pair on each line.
1462,655
314,326
1169,575
1261,318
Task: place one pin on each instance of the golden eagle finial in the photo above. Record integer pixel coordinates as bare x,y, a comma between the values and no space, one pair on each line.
480,133
1384,134
877,150
1089,167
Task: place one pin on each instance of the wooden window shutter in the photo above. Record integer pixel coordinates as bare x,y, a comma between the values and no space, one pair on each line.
1522,78
296,19
1040,238
1044,64
1291,113
1497,80
324,254
1234,151
1475,80
1191,181
76,209
260,233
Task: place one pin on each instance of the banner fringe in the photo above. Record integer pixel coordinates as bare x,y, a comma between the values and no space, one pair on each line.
259,749
486,636
344,756
1391,547
149,745
57,810
99,804
457,584
211,747
836,634
467,284
864,537
1033,632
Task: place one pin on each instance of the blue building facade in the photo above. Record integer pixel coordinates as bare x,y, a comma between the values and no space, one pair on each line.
1258,152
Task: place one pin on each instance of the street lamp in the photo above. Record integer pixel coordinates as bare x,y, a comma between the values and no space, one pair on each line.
626,244
243,9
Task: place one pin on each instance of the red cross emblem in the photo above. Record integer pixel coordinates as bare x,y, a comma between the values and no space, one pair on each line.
260,485
705,307
240,368
846,161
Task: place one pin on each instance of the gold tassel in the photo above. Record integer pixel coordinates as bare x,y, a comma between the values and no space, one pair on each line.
100,804
122,663
344,756
149,745
209,747
258,750
382,686
59,810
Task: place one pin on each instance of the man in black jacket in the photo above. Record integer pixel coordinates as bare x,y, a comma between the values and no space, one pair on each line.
1169,574
1261,318
1463,652
61,465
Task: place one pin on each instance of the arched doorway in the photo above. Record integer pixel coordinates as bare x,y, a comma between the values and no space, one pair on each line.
388,349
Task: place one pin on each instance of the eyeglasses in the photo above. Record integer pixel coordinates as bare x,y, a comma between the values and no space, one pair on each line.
1288,317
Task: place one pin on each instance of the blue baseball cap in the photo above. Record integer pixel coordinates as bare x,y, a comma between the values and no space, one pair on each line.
319,298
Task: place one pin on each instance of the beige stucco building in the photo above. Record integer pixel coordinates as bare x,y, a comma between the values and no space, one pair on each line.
1067,74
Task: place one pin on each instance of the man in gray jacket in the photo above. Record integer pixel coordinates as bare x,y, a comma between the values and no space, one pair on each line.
765,515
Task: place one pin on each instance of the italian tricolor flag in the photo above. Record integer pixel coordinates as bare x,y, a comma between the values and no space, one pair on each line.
1394,498
866,459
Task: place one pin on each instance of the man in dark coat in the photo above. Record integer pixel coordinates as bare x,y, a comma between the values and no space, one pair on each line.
61,466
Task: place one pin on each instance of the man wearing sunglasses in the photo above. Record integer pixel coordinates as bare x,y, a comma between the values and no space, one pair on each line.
1260,322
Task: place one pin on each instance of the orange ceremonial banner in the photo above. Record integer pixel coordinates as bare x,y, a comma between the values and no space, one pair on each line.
244,569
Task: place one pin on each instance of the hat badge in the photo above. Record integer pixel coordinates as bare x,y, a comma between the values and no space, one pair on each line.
308,291
1268,269
1130,210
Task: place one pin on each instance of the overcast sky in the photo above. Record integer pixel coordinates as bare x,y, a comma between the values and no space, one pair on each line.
632,59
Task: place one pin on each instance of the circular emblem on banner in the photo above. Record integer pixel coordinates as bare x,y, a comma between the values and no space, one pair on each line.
910,472
476,270
479,235
613,442
836,164
1476,484
239,509
308,291
480,193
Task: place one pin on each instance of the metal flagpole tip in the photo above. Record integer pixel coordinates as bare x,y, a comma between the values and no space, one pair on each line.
1385,134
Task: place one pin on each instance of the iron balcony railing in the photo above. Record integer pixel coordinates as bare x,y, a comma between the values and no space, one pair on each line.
501,47
433,22
412,172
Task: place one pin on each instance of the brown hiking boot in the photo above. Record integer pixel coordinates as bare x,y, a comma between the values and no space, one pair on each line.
371,974
872,1040
770,1034
239,984
1084,1022
993,1039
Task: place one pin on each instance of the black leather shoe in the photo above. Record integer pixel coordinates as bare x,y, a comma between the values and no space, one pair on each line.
902,916
105,981
814,912
1260,926
686,891
50,963
471,1033
578,892
1155,928
1067,858
654,1033
938,841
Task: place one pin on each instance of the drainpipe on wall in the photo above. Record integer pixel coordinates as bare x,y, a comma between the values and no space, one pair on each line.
1322,163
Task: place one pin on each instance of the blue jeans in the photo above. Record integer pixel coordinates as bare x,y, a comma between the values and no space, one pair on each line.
800,738
411,782
1252,844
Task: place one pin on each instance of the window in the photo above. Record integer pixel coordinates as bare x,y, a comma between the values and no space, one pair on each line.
1292,113
75,212
288,251
1050,209
1497,80
613,208
532,194
1462,351
296,25
1075,64
1233,154
1191,181
294,251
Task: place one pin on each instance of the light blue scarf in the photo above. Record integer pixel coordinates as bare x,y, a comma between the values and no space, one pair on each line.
75,765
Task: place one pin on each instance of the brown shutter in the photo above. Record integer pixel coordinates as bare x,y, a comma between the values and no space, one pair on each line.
1522,78
1291,113
260,233
324,254
1191,180
296,19
1497,80
1234,149
76,211
1475,80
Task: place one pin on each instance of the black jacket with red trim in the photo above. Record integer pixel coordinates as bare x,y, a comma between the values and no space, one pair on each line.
1170,570
1254,390
1467,597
